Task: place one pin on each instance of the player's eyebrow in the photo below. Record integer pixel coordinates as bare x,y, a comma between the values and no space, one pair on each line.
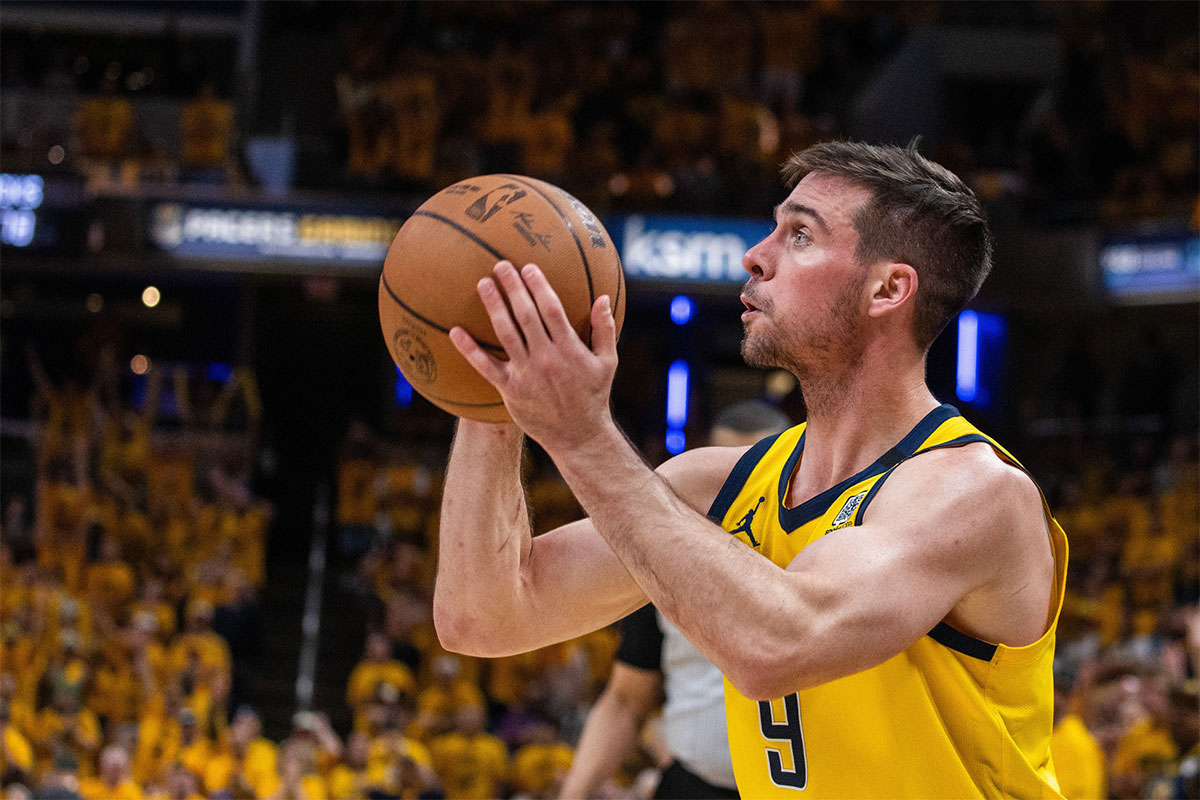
792,207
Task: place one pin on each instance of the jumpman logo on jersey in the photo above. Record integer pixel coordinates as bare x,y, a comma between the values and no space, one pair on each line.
743,525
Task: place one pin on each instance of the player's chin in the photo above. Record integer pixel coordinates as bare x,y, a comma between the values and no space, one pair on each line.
755,352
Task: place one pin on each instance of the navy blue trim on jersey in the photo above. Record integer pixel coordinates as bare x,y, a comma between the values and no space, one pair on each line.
960,642
961,440
792,518
737,478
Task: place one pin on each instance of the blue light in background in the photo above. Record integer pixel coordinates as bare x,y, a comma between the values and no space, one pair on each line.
980,365
682,308
218,371
677,394
403,390
967,372
677,405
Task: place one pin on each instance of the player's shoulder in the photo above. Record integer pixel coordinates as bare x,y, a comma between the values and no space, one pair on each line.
698,475
963,479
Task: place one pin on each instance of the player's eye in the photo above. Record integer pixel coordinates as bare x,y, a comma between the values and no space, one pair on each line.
801,237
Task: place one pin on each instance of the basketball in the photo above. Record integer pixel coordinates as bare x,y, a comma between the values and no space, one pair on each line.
454,239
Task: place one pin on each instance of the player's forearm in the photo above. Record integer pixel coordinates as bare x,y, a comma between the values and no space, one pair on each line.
484,534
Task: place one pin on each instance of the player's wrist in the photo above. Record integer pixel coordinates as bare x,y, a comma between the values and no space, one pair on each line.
490,431
592,437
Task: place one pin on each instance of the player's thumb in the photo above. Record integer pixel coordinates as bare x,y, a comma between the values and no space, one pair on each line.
604,329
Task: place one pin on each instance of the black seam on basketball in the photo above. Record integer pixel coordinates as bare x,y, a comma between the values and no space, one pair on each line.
499,256
578,244
620,283
408,309
448,402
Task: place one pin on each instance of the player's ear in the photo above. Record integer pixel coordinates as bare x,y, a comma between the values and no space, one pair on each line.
894,286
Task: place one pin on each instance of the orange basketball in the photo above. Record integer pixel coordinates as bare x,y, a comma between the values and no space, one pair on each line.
453,240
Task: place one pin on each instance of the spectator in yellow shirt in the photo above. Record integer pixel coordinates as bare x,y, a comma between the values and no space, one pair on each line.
350,780
104,124
471,763
150,661
200,639
181,784
152,600
114,781
109,582
297,776
65,725
66,615
440,702
116,690
247,761
20,711
377,668
1146,748
400,765
16,754
206,127
1078,757
539,767
158,735
195,747
356,501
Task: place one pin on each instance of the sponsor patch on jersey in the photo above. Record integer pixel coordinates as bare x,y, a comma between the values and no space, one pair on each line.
846,515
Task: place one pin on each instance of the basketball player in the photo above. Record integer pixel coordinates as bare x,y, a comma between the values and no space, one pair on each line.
655,657
880,586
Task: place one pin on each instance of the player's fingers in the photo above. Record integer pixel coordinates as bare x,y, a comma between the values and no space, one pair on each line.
604,329
490,367
502,321
524,311
548,304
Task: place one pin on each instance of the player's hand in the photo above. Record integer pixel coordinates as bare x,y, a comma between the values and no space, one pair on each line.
555,387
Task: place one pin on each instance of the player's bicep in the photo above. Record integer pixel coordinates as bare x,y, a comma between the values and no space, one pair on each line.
926,543
870,597
576,583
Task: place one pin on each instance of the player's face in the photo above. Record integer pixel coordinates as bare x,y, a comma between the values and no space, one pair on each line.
804,300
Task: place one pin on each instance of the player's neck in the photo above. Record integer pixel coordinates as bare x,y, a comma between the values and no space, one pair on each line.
855,417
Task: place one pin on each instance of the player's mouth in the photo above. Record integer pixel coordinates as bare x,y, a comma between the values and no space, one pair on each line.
751,308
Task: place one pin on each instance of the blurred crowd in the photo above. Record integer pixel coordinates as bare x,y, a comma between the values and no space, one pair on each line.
692,107
129,585
1127,689
689,107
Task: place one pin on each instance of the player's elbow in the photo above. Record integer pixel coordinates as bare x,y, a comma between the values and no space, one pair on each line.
767,674
459,630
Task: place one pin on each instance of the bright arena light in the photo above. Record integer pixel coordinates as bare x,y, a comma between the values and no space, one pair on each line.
968,356
151,296
682,308
139,364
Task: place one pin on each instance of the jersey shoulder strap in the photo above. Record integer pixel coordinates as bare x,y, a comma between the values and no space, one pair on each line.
738,477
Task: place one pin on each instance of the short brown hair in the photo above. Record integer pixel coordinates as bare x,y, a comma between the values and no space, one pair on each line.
920,213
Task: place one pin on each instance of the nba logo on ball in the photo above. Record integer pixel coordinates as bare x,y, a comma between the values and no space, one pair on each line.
410,348
430,277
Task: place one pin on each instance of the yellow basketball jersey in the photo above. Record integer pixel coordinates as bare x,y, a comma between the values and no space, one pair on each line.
950,717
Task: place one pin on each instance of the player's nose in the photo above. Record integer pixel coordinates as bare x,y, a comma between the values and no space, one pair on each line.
757,260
